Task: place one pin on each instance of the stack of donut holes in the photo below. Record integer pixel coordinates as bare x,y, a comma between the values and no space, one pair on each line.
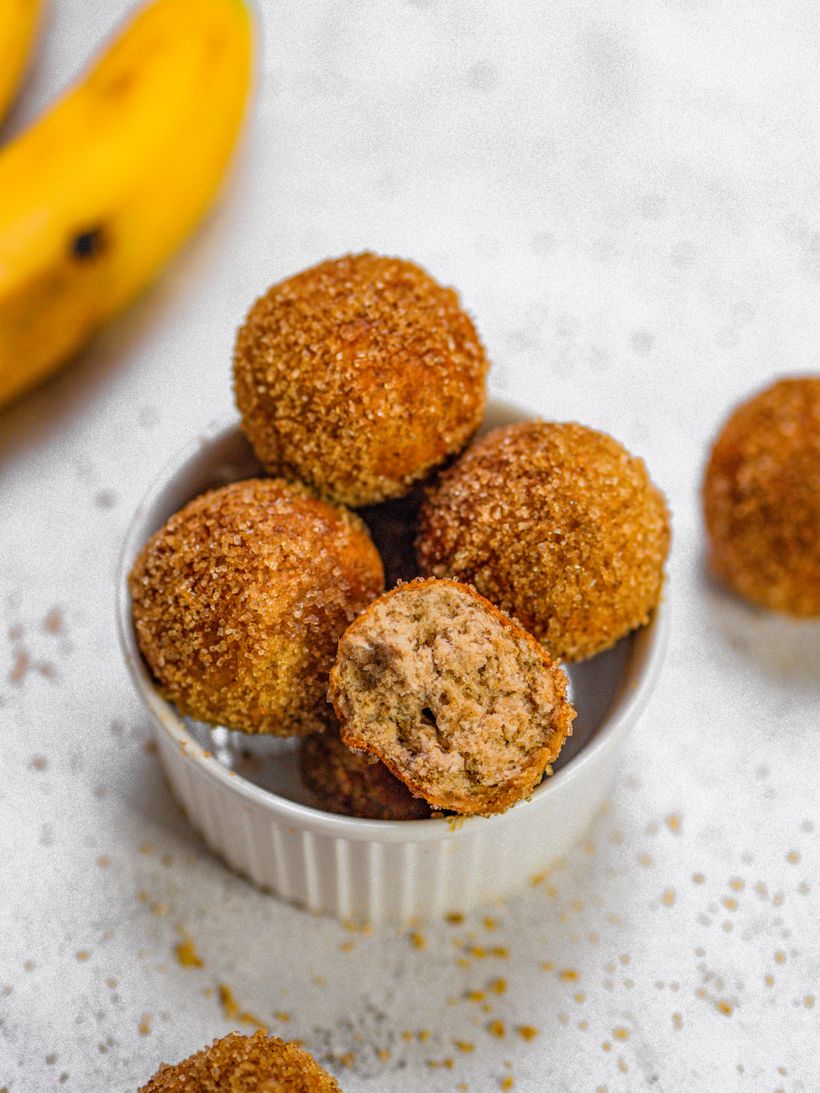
261,606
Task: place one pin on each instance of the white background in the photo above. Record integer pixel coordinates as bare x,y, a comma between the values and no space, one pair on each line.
627,196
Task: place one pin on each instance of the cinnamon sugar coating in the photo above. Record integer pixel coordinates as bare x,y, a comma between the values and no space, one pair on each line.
761,498
352,783
239,600
453,697
245,1064
559,526
358,376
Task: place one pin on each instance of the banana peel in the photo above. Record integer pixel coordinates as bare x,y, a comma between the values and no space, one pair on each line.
99,192
19,23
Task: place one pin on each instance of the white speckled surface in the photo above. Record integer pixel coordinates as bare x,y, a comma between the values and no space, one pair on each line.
627,197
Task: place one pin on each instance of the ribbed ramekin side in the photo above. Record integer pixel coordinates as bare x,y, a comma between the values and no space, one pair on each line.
383,883
178,777
341,872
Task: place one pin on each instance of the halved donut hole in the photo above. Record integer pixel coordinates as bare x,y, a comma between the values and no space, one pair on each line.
456,699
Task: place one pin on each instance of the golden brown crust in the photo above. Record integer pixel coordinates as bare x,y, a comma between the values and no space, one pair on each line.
352,784
482,800
761,498
559,526
358,376
244,1064
239,600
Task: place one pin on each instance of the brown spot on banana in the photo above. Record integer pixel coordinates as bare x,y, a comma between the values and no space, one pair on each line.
88,244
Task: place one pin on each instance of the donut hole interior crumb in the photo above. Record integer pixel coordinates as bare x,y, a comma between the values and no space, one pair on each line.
453,701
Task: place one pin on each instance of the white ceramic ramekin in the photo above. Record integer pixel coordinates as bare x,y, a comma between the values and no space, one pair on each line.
378,871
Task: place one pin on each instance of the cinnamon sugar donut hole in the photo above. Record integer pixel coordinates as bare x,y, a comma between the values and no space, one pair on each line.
559,526
239,600
359,376
245,1064
761,498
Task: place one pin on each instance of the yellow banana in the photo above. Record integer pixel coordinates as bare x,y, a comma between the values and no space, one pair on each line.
100,191
19,20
